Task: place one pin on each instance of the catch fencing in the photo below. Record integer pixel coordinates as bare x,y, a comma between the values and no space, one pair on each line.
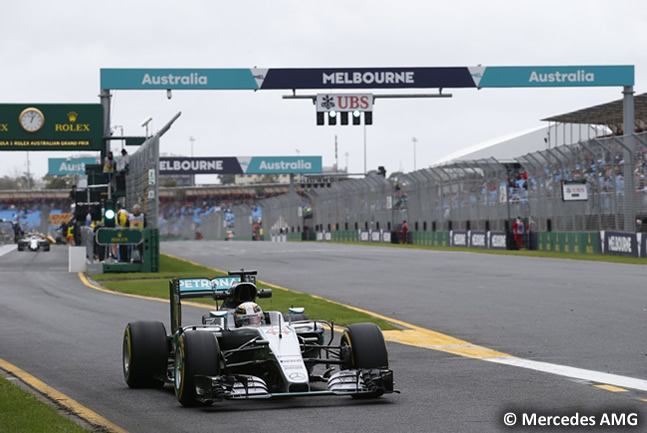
142,186
478,195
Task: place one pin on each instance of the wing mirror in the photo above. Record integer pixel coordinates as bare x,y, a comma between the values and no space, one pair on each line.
264,293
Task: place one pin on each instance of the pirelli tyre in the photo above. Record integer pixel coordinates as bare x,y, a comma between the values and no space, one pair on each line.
145,354
196,353
46,247
363,347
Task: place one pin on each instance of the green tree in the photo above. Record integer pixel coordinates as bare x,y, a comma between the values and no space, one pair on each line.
55,182
26,181
7,182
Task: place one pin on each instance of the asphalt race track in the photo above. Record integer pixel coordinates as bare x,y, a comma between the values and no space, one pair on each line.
579,314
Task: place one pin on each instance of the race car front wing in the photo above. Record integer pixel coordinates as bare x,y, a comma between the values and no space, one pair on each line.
369,382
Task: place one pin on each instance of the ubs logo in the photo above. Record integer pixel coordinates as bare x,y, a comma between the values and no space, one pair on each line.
328,102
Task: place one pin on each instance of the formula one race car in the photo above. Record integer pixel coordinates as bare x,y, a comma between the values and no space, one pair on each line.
33,242
241,352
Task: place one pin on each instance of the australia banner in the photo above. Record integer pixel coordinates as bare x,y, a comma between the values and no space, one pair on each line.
369,78
240,165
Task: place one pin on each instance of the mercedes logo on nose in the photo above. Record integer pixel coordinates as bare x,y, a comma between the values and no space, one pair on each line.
297,376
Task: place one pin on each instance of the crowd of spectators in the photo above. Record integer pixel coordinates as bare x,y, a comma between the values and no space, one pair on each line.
179,216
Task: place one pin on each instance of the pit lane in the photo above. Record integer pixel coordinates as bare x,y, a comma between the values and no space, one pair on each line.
69,336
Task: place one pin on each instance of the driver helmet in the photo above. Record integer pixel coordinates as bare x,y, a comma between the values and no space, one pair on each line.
248,314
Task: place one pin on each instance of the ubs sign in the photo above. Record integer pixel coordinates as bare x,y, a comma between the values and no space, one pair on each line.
344,102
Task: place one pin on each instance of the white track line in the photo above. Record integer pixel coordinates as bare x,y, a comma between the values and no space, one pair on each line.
574,372
5,249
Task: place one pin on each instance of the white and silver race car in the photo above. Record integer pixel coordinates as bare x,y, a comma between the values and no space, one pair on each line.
285,356
34,242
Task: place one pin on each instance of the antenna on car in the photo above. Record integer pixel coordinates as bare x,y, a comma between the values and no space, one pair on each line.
280,332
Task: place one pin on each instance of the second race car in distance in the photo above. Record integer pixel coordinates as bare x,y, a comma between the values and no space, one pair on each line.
33,241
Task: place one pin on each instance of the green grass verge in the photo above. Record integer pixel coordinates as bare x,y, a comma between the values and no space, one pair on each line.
156,285
169,268
523,253
20,411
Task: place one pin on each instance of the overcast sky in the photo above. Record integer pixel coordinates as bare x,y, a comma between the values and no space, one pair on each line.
53,51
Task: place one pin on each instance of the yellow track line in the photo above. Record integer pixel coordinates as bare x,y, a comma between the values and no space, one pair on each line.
610,388
72,405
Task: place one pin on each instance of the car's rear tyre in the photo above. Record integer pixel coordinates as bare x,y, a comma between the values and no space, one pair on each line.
21,248
363,347
145,354
197,353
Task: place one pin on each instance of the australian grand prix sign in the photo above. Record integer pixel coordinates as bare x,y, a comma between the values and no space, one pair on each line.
51,126
369,78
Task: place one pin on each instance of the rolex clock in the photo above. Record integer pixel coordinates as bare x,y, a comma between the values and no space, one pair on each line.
31,119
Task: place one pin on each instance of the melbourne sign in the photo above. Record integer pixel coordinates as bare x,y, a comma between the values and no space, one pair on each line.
369,78
51,127
240,165
68,166
619,243
344,102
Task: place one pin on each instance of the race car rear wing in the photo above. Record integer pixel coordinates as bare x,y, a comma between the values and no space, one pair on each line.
232,290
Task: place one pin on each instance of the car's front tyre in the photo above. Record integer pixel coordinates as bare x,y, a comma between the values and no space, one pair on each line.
196,353
145,354
363,347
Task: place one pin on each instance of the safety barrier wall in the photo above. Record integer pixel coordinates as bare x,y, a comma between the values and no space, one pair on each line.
569,242
629,244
